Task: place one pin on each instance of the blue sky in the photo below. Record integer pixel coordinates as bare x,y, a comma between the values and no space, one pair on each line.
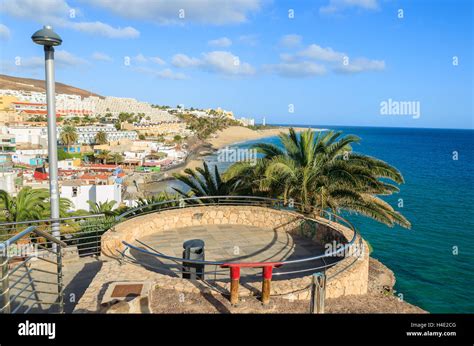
328,62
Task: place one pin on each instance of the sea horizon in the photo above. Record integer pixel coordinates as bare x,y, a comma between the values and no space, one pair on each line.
363,126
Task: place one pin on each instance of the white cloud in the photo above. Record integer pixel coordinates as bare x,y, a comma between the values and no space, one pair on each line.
4,32
169,74
216,12
291,40
64,58
287,57
157,60
101,56
182,60
140,58
220,42
33,62
303,63
335,6
250,40
361,65
42,11
226,63
57,13
161,74
221,62
299,69
99,28
316,52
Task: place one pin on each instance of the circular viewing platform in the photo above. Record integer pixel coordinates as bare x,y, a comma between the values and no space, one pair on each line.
232,243
247,232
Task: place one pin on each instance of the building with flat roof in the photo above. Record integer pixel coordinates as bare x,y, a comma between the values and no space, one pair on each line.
87,134
80,192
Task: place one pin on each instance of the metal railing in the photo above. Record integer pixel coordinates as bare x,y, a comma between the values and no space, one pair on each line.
6,286
32,277
353,245
308,215
32,260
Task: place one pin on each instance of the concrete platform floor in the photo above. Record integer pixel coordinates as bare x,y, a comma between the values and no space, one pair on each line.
231,243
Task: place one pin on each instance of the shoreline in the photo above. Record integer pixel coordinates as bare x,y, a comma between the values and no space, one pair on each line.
234,135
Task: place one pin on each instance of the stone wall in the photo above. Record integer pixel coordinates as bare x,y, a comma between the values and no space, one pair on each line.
348,277
142,226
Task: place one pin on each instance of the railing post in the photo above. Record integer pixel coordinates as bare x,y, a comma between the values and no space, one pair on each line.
318,293
4,284
267,278
59,260
234,284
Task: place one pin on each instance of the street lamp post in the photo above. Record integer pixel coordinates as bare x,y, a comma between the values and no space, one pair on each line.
48,38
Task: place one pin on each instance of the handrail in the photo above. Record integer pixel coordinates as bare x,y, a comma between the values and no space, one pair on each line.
230,198
50,220
220,263
25,232
8,282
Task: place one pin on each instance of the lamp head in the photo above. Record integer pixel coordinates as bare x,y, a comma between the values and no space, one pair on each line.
46,37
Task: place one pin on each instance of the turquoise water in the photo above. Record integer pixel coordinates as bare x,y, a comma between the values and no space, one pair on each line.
438,199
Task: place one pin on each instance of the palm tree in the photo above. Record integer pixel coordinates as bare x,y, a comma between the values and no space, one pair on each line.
146,204
104,155
323,172
178,140
205,183
102,207
101,138
30,204
68,136
116,158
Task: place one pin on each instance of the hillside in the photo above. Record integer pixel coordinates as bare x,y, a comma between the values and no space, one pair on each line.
28,84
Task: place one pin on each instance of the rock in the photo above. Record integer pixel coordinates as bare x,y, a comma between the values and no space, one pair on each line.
381,278
137,305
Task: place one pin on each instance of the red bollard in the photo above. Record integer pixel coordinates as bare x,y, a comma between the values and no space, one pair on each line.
267,278
235,277
234,284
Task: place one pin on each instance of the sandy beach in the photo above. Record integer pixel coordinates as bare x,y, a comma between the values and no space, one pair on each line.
238,134
229,136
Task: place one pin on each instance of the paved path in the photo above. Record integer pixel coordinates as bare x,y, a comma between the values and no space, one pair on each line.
78,273
230,243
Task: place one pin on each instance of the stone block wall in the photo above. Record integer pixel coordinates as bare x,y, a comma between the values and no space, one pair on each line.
348,277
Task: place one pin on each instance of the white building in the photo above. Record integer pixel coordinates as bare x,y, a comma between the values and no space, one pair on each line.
67,164
74,105
174,154
247,121
7,182
135,155
86,134
79,194
27,134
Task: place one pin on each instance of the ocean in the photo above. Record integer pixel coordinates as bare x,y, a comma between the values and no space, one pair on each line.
434,261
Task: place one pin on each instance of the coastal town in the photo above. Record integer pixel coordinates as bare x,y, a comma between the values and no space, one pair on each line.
109,148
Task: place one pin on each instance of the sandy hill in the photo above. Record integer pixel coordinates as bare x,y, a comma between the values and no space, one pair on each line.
28,84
